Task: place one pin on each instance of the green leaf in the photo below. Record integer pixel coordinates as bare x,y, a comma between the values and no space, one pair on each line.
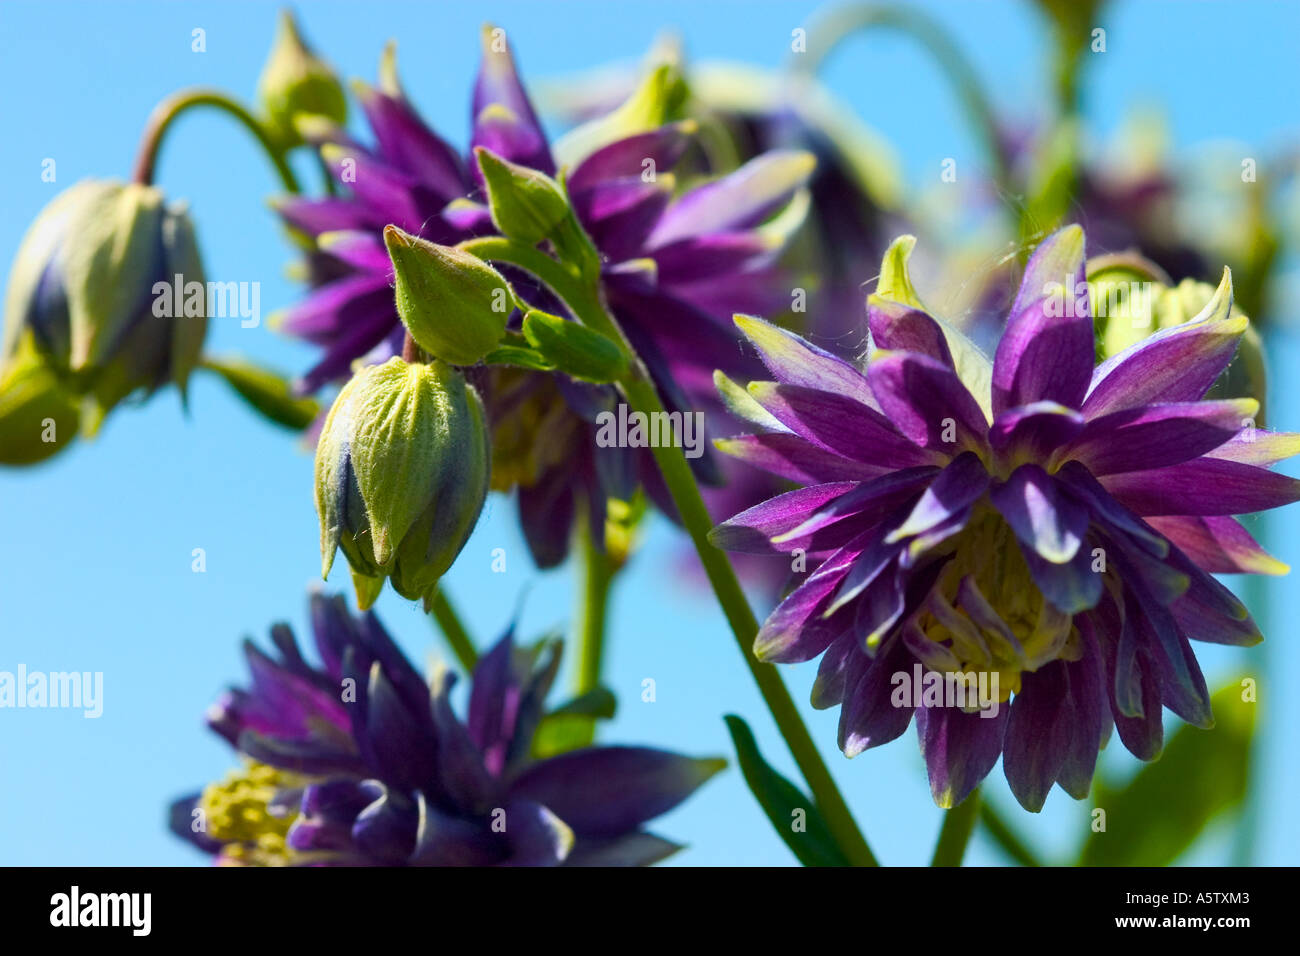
1153,819
780,799
266,391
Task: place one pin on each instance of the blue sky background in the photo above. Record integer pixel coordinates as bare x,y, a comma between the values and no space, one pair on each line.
95,566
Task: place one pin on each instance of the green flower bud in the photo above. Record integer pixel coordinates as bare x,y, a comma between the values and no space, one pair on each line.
38,417
526,204
574,349
401,476
296,84
85,288
453,303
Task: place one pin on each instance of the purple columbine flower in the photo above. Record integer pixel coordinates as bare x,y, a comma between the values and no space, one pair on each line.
359,761
1033,520
676,266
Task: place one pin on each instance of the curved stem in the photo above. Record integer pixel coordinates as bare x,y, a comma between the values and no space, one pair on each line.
1005,837
958,825
832,28
166,113
584,301
462,645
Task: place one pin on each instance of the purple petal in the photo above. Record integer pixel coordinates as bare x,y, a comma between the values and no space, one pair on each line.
955,489
619,214
626,157
1033,432
1205,486
738,200
610,791
1154,436
795,361
504,119
796,631
635,849
1043,518
1038,734
1047,350
869,717
839,424
927,401
899,328
959,749
1218,544
1178,364
407,142
751,531
797,459
538,837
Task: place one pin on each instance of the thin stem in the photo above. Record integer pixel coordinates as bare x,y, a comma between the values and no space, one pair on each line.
1005,837
832,28
462,645
585,303
597,576
166,113
958,825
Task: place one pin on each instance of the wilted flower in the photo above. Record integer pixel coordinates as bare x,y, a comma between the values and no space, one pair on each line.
296,83
674,265
1031,520
84,294
401,476
359,762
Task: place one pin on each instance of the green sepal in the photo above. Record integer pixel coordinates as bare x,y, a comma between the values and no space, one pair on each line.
265,391
575,349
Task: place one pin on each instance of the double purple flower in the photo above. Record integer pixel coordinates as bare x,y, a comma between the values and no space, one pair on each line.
675,268
1033,519
361,762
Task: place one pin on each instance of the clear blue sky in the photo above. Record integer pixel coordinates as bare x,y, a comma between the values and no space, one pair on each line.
95,568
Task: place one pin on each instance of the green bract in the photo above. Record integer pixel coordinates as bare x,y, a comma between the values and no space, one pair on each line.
454,304
401,476
574,349
296,84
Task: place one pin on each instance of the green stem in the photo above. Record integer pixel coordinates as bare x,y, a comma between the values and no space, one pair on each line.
1005,837
584,301
832,28
597,577
166,113
453,630
958,824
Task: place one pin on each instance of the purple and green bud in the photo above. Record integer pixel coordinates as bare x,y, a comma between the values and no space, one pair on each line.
296,85
401,476
454,305
83,293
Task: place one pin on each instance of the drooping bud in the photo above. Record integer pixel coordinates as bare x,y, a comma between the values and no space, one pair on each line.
401,476
108,288
296,84
526,204
453,303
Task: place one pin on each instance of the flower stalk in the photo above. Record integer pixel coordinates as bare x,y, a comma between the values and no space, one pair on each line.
173,107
